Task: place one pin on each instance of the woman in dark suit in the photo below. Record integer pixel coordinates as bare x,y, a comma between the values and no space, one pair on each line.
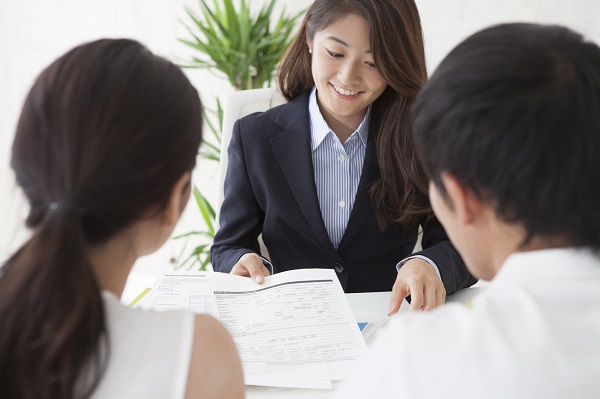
331,179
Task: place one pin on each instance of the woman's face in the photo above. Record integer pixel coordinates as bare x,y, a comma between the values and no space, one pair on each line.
344,71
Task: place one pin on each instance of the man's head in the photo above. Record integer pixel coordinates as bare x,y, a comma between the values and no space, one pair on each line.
508,129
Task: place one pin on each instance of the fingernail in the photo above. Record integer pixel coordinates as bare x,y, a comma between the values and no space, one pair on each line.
259,279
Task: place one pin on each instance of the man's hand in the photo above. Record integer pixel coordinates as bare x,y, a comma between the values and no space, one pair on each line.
418,279
251,265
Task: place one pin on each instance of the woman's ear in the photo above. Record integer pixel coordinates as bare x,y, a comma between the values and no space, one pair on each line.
309,44
180,194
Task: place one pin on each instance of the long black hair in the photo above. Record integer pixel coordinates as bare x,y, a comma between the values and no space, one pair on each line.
105,133
399,195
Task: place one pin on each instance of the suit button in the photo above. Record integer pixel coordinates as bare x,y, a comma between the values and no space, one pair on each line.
338,267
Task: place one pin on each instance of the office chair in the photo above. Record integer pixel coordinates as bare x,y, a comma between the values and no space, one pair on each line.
237,105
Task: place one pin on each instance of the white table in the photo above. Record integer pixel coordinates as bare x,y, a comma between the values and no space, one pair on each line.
374,302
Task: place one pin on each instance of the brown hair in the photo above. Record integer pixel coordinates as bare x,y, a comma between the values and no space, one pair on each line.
105,133
399,195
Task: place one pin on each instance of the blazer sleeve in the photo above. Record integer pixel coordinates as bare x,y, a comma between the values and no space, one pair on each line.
240,217
438,248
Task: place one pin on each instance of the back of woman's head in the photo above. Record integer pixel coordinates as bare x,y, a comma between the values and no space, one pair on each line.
399,195
108,127
105,133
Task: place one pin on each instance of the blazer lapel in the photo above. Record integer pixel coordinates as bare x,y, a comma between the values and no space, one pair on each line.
362,204
293,152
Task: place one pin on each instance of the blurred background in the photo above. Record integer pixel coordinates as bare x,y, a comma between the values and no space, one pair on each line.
35,32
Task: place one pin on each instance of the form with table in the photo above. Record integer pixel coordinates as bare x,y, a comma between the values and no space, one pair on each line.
367,307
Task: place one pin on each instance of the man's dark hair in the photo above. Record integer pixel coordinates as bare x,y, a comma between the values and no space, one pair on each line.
513,112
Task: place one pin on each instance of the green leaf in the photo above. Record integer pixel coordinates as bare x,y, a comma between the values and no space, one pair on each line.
193,233
206,210
205,263
246,48
238,44
194,256
210,156
211,147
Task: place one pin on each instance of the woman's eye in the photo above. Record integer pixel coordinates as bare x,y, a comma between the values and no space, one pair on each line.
333,55
371,65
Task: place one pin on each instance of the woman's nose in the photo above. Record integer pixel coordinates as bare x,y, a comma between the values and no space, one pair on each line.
349,73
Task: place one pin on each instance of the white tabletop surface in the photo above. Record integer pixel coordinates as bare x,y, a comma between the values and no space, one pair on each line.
374,302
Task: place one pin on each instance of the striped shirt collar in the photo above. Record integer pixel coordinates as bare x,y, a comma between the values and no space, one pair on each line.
320,129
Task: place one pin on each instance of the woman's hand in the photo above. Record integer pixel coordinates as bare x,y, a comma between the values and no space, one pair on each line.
251,265
418,279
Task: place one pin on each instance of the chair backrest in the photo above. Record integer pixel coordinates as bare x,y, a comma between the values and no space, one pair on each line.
237,105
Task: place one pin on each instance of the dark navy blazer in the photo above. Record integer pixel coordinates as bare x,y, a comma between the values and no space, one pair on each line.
270,189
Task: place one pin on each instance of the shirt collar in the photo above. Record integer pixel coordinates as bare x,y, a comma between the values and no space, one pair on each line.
549,264
320,129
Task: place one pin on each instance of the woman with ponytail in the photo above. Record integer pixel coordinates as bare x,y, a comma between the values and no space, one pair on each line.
104,150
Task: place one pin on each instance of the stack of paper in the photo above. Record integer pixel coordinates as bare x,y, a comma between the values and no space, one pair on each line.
294,330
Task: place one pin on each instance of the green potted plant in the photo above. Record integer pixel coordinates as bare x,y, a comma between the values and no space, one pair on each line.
245,50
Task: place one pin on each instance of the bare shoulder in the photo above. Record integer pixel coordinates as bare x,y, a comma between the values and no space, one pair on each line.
215,368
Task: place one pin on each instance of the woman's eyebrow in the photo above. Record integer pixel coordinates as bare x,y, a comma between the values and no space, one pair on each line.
343,43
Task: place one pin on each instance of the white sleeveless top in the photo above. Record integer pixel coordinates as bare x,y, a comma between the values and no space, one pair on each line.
149,352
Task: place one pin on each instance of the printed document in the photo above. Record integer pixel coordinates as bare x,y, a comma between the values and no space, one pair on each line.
294,330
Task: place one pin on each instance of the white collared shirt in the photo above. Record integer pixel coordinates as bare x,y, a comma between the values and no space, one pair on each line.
337,167
534,333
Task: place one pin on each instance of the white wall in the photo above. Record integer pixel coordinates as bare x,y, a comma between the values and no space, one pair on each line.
447,22
35,32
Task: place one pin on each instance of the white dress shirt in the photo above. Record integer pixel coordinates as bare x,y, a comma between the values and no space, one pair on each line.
534,333
337,167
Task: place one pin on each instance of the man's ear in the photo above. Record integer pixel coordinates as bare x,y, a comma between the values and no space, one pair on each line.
465,203
180,194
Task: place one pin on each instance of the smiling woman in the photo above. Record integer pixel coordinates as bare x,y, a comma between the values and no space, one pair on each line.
345,74
331,179
391,42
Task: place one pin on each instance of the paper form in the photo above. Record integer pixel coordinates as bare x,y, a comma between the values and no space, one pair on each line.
376,321
170,291
294,330
295,326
